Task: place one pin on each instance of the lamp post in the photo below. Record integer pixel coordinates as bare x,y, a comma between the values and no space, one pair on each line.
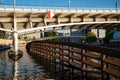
68,4
116,5
14,4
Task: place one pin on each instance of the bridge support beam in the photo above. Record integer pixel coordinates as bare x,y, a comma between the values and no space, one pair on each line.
15,38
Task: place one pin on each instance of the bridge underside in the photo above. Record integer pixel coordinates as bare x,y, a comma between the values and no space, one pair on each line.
32,19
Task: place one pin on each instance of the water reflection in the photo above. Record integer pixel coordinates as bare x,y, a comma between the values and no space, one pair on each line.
24,69
28,69
15,70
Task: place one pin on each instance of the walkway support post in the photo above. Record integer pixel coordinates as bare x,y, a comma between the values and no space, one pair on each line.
15,38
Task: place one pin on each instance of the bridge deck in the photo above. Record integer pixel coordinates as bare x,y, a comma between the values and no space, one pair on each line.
32,17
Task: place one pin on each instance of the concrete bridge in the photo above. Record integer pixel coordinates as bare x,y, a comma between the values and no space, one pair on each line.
19,19
36,17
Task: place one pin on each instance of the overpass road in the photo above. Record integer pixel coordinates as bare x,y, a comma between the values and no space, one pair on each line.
36,17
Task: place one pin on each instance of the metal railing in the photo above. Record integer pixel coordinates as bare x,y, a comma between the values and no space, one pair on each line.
38,7
89,59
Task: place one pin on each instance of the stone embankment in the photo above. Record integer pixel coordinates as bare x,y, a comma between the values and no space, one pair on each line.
9,42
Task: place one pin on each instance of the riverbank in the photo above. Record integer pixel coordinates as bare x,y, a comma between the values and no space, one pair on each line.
9,42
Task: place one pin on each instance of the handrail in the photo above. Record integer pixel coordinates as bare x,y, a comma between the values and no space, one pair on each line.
102,60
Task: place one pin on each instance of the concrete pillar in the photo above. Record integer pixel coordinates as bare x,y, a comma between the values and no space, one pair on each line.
15,38
45,23
30,24
30,21
53,28
42,32
58,19
70,31
63,31
70,39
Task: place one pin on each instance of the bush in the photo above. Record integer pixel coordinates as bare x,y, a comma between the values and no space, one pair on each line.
25,37
91,37
109,36
33,38
2,35
51,34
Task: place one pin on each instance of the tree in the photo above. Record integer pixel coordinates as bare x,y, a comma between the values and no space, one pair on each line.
91,37
19,37
2,34
7,36
109,36
25,37
52,34
33,38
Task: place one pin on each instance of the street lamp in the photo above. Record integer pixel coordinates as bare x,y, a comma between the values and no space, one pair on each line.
14,4
68,4
116,5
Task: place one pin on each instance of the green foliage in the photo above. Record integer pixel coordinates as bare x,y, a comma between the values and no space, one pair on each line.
2,34
91,37
6,36
19,37
25,37
109,36
51,34
33,38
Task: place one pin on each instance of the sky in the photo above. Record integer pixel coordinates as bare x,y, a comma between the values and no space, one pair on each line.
64,3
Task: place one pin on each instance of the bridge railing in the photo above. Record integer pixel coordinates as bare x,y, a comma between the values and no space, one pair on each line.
88,58
76,9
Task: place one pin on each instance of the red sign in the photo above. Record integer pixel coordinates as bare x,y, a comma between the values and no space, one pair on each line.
50,14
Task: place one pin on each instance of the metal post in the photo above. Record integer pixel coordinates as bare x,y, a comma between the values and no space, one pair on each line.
116,5
68,4
14,4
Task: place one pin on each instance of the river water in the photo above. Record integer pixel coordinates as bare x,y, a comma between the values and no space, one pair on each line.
24,69
27,68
